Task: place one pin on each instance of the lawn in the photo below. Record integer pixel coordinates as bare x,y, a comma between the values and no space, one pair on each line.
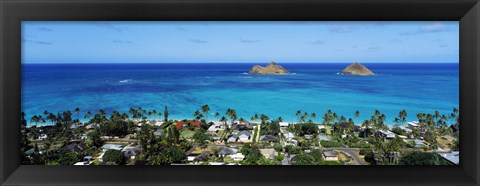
228,160
444,143
199,150
186,133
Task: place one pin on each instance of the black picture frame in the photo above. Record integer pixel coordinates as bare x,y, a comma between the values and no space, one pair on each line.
12,12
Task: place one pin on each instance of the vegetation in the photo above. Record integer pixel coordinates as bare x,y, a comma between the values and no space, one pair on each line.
422,158
114,156
67,140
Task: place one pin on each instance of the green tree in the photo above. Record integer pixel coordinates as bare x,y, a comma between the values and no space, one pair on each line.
201,137
69,157
205,110
422,158
165,114
114,156
278,147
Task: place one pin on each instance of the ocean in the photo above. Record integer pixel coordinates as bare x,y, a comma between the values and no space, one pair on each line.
184,88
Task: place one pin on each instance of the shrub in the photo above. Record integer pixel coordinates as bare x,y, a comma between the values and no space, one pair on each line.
114,156
277,147
422,158
370,157
69,157
399,131
362,152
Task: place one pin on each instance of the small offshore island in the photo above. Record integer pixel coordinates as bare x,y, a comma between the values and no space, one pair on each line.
357,69
271,68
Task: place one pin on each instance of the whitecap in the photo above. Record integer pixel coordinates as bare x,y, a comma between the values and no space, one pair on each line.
125,81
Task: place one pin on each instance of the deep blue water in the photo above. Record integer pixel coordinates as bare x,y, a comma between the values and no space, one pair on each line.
185,87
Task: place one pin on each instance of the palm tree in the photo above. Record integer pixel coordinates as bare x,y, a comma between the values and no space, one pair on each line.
217,115
102,112
264,118
205,110
88,115
224,120
254,117
402,116
133,112
35,119
197,115
280,119
303,118
357,114
298,114
396,120
77,110
232,114
51,117
313,115
365,124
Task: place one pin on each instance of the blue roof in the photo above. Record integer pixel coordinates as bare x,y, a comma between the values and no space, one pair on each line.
453,157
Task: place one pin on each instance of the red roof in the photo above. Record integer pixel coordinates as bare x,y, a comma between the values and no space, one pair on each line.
194,123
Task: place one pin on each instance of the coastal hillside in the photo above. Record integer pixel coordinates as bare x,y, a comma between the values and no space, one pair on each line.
356,69
271,68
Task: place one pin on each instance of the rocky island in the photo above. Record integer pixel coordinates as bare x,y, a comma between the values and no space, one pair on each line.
271,68
356,69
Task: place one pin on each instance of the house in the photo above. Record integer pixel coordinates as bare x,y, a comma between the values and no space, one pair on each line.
225,151
83,163
320,127
213,129
190,158
30,152
158,132
385,134
112,147
268,138
268,153
204,156
158,123
283,124
419,143
289,136
413,124
243,125
293,142
216,138
244,136
75,146
307,136
452,157
232,138
187,123
131,152
237,156
330,156
322,138
86,161
42,137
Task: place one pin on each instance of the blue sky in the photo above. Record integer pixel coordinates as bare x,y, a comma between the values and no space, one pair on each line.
236,42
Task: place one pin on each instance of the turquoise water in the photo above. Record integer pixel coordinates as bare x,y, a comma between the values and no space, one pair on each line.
185,87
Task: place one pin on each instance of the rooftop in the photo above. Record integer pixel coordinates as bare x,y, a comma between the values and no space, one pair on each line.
453,157
329,154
